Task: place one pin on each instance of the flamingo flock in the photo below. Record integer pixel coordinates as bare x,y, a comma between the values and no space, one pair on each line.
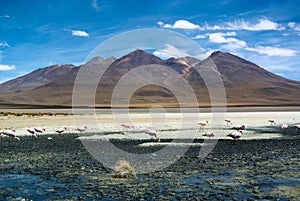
235,134
35,132
238,133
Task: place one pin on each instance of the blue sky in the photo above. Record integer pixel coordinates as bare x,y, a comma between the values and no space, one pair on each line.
36,34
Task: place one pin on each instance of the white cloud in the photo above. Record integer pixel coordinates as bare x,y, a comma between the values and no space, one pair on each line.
183,24
234,43
273,51
179,24
79,33
4,44
170,51
95,5
294,26
160,23
219,37
201,36
291,24
6,67
167,26
261,25
231,43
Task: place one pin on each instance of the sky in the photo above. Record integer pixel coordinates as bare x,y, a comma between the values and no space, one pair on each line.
36,34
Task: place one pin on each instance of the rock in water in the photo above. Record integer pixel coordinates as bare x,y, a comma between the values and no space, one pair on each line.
123,169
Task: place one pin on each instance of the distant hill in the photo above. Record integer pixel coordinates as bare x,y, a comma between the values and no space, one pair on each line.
36,78
245,83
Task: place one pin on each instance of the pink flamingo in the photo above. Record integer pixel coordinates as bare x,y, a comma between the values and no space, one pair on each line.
127,127
209,134
284,127
81,129
238,127
39,130
272,121
202,124
60,130
11,133
32,132
153,133
235,134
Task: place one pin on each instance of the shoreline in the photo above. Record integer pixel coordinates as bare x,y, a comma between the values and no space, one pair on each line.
171,124
168,110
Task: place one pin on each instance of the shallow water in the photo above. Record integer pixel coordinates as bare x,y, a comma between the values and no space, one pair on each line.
63,170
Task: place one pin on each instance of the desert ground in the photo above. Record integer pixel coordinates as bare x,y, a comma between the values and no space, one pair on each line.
263,164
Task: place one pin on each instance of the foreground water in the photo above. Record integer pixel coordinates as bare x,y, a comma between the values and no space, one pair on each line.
62,169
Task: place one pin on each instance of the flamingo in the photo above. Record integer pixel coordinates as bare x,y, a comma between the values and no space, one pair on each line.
238,127
272,121
60,130
235,134
32,132
284,127
209,134
297,126
81,129
127,127
153,133
202,124
39,130
228,122
11,133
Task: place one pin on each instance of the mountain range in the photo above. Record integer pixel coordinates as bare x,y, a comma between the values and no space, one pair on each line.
245,83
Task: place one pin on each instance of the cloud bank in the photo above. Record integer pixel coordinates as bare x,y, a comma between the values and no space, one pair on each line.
261,25
229,40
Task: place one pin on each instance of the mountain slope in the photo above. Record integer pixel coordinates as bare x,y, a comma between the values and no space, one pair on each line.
36,78
245,83
248,83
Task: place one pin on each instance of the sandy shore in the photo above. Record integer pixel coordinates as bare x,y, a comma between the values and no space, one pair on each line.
170,124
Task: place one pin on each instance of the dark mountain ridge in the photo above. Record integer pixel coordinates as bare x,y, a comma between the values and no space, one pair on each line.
245,82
